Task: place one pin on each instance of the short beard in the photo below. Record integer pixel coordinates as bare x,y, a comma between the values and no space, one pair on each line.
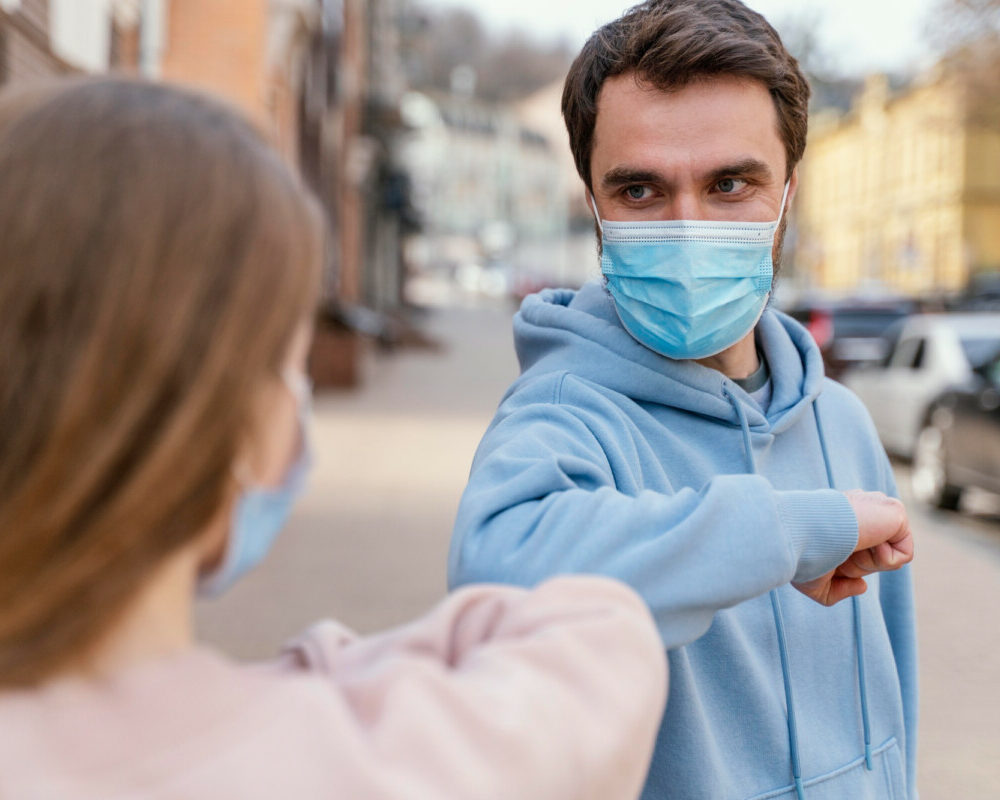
776,253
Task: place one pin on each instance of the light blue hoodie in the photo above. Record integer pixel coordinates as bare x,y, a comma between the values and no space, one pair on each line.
606,457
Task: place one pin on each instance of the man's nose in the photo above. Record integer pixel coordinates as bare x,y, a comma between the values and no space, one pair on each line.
686,205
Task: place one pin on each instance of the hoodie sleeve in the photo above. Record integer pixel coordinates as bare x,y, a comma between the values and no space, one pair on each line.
542,499
502,692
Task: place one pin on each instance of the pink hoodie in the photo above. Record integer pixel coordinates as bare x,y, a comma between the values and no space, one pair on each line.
497,693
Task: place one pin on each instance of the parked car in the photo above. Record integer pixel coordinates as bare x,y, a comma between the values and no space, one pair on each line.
926,354
959,444
851,332
981,294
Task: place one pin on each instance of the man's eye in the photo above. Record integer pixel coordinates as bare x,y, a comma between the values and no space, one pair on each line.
730,185
636,192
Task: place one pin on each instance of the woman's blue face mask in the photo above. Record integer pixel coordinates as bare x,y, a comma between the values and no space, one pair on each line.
261,512
689,289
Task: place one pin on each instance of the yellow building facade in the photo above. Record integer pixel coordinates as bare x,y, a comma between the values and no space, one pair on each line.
901,192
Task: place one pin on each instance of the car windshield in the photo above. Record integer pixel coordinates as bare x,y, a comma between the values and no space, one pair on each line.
981,349
864,323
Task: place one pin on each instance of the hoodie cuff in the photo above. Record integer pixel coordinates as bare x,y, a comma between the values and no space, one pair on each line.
822,528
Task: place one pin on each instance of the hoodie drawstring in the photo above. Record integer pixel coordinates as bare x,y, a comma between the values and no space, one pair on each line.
786,674
859,643
779,622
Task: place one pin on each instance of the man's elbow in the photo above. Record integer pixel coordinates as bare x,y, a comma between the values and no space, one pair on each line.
488,548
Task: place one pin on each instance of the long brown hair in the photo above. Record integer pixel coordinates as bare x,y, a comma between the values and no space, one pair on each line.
155,258
669,44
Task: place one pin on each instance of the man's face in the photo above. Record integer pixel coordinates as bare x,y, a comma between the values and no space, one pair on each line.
708,151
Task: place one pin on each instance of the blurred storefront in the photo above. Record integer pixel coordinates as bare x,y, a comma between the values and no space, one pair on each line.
318,74
901,192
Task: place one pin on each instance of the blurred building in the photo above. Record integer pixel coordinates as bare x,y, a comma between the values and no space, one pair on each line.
384,187
26,43
320,77
573,259
542,111
474,164
902,191
487,187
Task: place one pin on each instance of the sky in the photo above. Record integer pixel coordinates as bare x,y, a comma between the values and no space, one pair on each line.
861,36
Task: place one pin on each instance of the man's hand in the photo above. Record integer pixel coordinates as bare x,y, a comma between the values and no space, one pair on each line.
884,543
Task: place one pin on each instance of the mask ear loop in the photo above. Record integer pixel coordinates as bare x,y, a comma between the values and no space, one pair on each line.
593,208
300,387
784,198
781,216
242,474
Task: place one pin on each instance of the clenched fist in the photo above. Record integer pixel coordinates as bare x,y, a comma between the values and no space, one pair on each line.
884,543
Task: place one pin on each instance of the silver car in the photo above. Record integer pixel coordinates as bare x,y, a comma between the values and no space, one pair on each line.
931,352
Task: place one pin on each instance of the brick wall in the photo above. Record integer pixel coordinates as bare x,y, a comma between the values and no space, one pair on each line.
220,46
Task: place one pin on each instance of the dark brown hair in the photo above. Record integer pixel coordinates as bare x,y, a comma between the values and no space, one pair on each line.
669,44
156,257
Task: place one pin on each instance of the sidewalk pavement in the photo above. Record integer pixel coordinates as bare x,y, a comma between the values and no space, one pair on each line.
956,570
369,542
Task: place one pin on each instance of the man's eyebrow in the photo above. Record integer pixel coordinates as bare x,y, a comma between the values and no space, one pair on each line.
744,168
625,176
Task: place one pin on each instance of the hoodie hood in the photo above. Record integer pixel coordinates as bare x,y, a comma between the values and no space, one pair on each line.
561,330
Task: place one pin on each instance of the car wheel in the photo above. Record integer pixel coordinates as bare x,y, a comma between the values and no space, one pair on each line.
930,471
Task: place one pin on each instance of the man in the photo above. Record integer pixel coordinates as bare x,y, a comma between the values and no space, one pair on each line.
669,430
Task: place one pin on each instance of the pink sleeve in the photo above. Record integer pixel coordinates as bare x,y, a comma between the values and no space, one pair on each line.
550,694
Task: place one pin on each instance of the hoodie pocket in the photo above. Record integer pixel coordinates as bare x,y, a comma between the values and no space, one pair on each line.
884,781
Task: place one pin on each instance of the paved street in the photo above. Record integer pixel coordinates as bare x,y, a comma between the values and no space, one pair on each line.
957,575
369,541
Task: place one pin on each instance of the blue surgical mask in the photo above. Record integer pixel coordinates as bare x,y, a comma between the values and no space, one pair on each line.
261,512
689,289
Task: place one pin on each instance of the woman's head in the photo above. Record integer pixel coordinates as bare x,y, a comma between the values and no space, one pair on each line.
158,265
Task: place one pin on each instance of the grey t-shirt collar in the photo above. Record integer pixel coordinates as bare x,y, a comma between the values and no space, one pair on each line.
756,380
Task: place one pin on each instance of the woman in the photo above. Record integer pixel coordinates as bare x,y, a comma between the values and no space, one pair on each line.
158,271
